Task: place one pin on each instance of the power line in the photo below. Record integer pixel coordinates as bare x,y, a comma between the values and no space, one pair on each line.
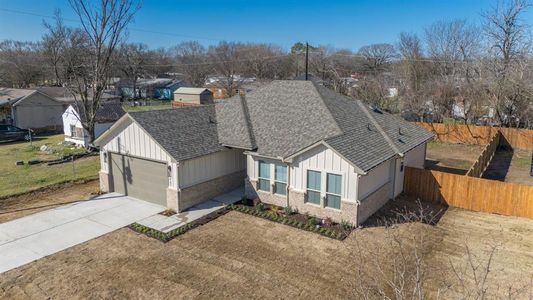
28,13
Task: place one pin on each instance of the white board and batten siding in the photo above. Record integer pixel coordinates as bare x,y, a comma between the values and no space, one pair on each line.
211,166
134,141
320,159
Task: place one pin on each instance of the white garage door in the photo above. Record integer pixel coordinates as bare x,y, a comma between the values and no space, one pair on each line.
139,178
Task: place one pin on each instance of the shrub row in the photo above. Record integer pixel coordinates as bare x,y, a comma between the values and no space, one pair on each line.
330,233
165,237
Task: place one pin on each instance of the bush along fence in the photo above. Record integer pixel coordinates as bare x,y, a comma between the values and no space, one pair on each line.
479,135
470,193
288,217
168,236
483,161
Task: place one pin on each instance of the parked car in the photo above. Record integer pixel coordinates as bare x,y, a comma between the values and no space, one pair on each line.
13,133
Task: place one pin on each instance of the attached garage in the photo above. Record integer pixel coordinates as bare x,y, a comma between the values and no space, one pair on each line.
139,178
169,157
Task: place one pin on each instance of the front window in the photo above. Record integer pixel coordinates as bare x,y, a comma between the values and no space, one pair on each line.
280,179
313,187
264,176
333,191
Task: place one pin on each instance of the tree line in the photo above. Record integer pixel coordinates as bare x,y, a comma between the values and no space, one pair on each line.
475,73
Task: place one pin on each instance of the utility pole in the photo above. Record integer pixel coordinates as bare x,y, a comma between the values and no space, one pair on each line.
306,60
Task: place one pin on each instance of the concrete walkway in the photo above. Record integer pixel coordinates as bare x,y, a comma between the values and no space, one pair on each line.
166,224
35,236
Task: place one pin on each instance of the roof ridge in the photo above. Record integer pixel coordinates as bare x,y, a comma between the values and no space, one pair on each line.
315,86
379,128
249,126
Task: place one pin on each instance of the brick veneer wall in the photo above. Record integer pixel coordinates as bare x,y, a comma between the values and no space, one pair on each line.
374,202
104,181
204,191
348,211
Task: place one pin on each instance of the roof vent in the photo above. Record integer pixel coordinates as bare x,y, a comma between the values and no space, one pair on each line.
377,110
368,126
400,131
211,121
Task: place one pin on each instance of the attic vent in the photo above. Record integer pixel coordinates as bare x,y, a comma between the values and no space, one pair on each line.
377,110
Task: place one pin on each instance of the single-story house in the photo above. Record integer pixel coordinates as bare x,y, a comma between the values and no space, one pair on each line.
291,143
157,88
64,95
106,114
30,108
185,96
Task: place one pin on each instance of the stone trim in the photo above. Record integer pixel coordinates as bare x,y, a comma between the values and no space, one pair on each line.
204,191
104,181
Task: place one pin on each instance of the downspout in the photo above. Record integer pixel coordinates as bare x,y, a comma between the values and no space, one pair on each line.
394,168
288,179
288,182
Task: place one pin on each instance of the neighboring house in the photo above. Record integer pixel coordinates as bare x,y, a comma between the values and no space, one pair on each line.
185,96
293,143
218,85
64,95
30,108
107,114
158,88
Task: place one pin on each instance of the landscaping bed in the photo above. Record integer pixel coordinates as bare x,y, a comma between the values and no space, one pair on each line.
168,236
287,216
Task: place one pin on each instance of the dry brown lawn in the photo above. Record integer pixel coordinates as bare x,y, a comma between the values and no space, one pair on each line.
241,256
53,196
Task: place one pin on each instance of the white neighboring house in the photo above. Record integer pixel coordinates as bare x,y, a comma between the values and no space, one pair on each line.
106,115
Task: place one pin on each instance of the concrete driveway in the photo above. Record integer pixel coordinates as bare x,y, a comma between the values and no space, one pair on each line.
32,237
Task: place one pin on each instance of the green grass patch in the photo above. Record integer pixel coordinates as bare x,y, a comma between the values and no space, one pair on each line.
164,105
522,162
15,180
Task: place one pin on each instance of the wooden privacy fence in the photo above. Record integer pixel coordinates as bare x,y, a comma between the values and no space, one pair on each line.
483,161
479,135
470,193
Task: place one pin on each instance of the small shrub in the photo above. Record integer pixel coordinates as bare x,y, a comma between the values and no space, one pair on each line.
327,221
275,210
313,221
288,210
260,206
346,225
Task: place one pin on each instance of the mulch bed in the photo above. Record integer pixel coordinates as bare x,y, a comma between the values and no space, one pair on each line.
306,222
168,236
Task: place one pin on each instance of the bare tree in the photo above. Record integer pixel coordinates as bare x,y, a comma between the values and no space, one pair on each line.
105,27
510,49
192,61
132,60
22,63
227,60
377,57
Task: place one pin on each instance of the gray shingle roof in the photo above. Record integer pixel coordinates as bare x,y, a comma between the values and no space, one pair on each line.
288,116
107,112
285,116
281,119
185,132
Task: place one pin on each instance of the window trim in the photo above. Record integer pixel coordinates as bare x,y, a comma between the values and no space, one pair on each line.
259,178
306,198
279,181
333,194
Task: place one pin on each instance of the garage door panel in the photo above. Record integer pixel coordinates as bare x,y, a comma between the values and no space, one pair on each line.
139,178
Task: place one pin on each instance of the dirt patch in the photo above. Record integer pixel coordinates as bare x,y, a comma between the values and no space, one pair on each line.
242,256
453,158
520,167
27,204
